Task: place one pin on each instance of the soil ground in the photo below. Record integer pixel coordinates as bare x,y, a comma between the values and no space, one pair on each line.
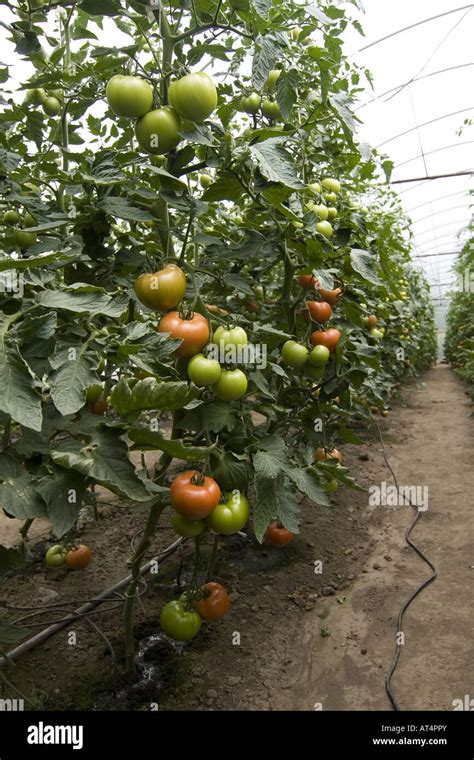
295,639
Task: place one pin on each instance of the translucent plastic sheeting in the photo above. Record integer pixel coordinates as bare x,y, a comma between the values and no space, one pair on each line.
423,93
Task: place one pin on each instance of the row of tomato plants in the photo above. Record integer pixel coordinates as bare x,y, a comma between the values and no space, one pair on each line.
200,213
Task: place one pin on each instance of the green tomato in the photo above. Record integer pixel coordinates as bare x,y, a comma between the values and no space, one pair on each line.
178,623
321,211
315,188
332,212
234,336
37,96
205,180
203,371
93,392
363,306
319,356
24,239
271,109
11,217
129,96
251,103
331,184
330,197
315,373
56,556
272,77
187,528
294,354
194,96
231,385
325,228
331,485
29,220
158,130
375,333
51,106
230,516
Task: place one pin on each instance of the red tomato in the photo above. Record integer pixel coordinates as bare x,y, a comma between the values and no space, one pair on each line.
321,454
194,496
329,338
78,558
215,603
278,535
320,310
194,332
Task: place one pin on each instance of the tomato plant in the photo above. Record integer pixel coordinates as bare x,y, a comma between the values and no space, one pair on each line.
149,167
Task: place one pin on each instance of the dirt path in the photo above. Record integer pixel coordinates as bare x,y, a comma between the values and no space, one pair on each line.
346,671
294,639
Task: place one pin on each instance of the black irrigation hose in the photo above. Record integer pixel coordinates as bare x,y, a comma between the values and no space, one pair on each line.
424,584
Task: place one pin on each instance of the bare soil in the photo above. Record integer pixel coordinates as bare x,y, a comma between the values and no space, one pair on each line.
295,639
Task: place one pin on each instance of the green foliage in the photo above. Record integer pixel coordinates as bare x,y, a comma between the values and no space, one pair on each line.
106,212
459,340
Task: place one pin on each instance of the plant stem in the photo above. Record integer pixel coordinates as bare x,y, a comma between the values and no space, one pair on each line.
153,516
213,556
25,528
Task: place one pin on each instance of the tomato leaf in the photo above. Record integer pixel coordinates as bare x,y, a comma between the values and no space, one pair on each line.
123,209
226,187
363,263
151,394
267,52
105,459
19,497
286,93
274,500
63,492
276,163
19,395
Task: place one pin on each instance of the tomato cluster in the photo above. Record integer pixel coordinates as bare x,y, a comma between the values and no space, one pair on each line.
181,618
192,97
76,558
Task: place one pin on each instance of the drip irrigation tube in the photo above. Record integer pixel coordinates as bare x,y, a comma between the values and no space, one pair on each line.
424,584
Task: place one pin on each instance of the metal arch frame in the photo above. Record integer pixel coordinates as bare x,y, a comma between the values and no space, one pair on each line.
435,255
425,124
424,180
435,200
412,26
436,150
418,79
443,211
